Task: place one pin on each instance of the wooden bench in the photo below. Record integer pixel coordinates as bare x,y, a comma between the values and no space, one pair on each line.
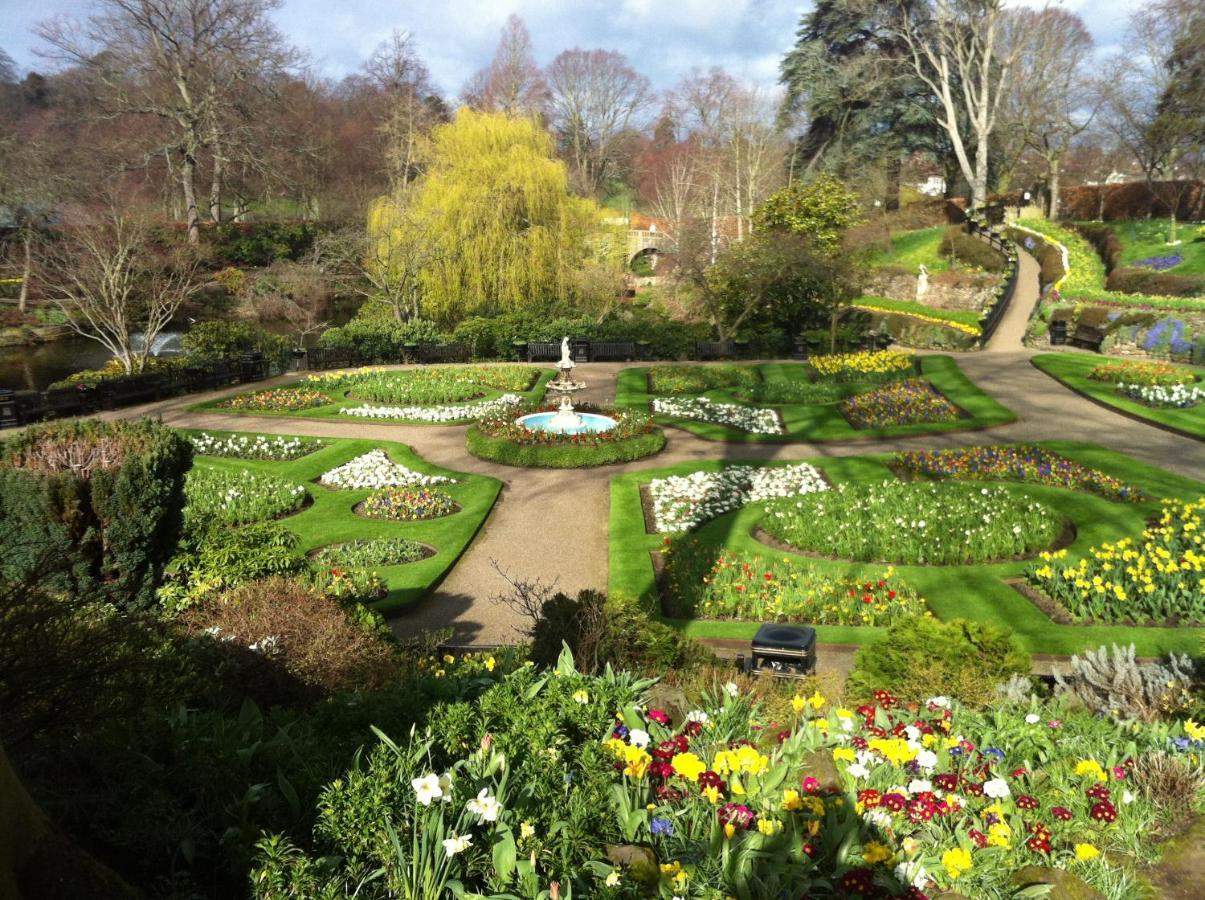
540,351
705,350
1089,337
443,353
616,350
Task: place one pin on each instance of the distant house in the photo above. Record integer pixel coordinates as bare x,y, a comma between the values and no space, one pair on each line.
933,186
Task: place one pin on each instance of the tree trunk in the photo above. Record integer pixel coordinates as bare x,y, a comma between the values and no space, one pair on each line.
1055,171
26,267
895,167
979,184
188,180
215,184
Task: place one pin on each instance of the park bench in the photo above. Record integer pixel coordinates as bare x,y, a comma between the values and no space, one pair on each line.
443,353
541,351
616,350
1089,337
705,350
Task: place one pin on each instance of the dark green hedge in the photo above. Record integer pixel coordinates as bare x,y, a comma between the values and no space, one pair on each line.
567,456
109,527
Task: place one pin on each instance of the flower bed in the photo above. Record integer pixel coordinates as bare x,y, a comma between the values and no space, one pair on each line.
684,502
1157,576
500,438
915,523
258,446
1023,462
671,379
863,366
407,504
239,497
375,469
746,418
277,400
366,554
1144,373
699,583
908,402
1176,396
461,413
424,387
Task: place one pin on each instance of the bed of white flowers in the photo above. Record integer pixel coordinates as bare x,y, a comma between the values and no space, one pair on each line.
258,446
376,470
683,502
757,420
1181,396
460,413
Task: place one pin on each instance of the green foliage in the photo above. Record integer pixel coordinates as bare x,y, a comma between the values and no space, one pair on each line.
228,339
970,251
361,554
259,243
673,380
923,657
821,209
238,497
511,448
379,338
98,502
446,384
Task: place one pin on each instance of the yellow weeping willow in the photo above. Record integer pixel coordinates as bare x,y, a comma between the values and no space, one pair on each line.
491,225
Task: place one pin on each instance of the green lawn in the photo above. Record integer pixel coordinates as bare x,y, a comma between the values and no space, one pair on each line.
824,422
330,410
972,592
1146,238
912,249
1072,370
968,317
330,519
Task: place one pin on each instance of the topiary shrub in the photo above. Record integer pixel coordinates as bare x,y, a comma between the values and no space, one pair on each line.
1104,241
99,504
922,657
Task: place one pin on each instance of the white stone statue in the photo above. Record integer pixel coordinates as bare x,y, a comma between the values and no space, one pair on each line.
922,283
566,360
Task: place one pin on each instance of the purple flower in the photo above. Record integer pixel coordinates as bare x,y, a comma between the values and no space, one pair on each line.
661,825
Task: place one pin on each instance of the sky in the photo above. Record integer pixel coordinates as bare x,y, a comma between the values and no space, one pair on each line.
664,39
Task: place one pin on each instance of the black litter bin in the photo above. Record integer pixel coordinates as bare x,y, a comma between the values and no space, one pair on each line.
788,651
1058,332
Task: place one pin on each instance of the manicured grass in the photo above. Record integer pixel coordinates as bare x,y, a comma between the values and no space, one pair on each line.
330,520
967,317
912,249
534,394
976,592
1147,238
824,422
1072,370
566,456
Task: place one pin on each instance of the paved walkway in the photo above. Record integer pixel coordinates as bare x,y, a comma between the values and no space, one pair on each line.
552,524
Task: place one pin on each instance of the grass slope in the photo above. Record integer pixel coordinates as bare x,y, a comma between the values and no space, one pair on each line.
1072,370
1146,238
331,410
330,520
824,422
971,592
914,248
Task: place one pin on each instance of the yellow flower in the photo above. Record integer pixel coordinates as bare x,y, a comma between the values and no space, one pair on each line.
875,852
1085,852
817,700
449,658
1194,731
790,800
768,826
729,830
956,861
489,664
612,880
581,696
797,703
688,766
844,753
814,805
894,750
712,794
1090,767
637,762
999,834
671,868
526,830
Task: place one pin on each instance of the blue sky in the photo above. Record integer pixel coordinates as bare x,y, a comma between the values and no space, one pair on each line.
664,39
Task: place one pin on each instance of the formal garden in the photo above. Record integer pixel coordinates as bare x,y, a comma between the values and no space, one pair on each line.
601,483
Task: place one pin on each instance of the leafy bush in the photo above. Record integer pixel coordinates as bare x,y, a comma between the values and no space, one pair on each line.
229,339
259,243
1104,240
375,337
1133,280
921,657
284,633
1113,683
365,554
214,558
406,504
98,502
971,251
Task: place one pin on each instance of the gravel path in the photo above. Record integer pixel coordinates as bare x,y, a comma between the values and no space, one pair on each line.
552,524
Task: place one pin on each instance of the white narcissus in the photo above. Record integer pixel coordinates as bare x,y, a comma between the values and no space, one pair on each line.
756,420
434,413
683,502
427,788
375,469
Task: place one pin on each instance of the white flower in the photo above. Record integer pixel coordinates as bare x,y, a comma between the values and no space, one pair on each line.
683,502
457,844
1032,719
757,420
926,759
913,733
485,806
697,715
1127,797
638,737
427,788
857,770
997,788
878,818
435,413
939,702
912,873
919,786
445,785
612,880
732,689
375,469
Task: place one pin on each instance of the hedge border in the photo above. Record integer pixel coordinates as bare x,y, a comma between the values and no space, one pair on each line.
566,456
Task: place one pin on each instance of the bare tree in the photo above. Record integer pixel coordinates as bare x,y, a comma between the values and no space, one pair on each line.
297,293
678,193
596,97
962,51
512,82
183,63
112,286
1050,100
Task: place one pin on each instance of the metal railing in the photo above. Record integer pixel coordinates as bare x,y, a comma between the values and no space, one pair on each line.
991,318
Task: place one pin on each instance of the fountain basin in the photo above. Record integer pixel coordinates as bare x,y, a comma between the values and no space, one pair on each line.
557,423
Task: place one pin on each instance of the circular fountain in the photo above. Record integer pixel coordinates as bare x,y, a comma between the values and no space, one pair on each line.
566,420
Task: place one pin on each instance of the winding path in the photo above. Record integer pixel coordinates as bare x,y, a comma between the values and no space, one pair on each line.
552,524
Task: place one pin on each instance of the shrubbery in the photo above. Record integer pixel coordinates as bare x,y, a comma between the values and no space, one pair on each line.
99,502
230,339
971,251
1137,280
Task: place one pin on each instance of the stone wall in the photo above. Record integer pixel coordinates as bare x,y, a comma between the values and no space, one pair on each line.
947,290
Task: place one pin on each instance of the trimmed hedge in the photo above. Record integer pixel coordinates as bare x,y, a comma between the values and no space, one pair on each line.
563,456
99,505
1137,280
